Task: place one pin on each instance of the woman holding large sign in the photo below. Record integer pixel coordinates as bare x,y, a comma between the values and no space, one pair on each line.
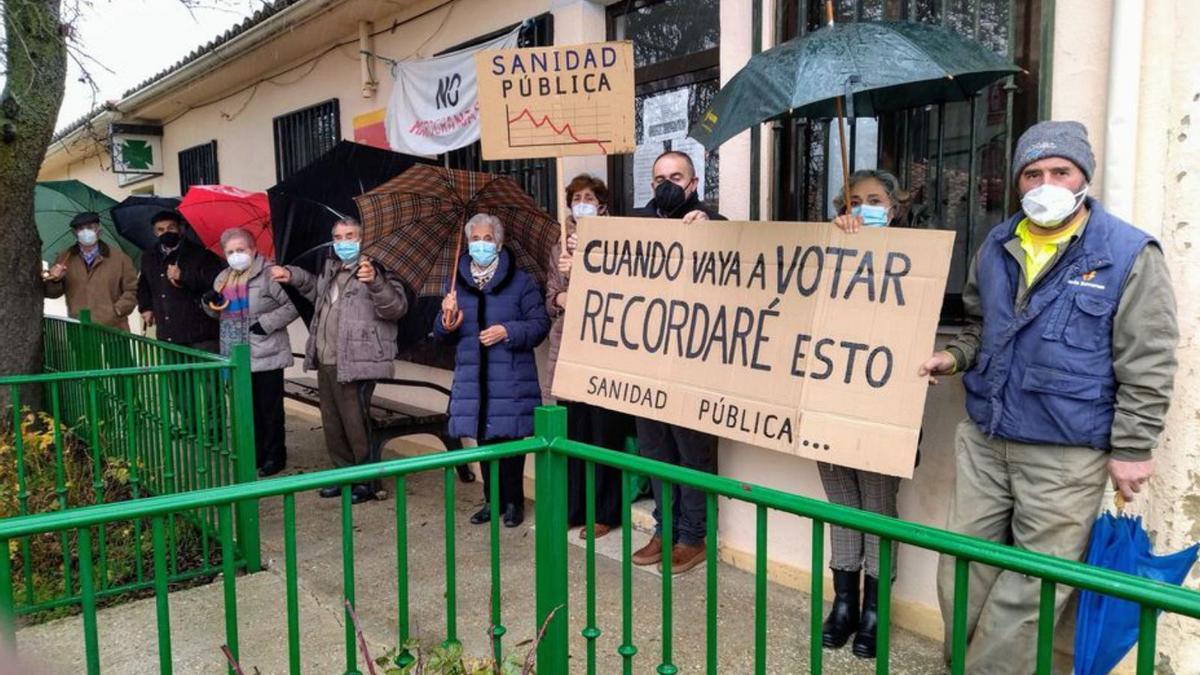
588,196
876,200
495,390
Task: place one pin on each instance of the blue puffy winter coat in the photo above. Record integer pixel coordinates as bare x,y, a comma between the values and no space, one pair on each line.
496,388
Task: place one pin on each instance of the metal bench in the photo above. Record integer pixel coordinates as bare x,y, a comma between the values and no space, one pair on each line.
387,418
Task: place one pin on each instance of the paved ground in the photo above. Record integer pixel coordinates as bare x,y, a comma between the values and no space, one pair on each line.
127,632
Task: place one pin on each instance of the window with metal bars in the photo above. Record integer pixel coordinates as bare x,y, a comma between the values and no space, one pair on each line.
536,176
953,159
676,46
304,135
198,166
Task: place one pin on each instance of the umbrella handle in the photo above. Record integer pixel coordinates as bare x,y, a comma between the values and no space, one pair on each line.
841,129
452,320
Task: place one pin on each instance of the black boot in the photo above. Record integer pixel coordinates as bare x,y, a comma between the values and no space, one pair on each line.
864,641
843,616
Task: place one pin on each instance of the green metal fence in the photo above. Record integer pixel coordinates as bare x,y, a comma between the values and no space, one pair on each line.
148,417
552,450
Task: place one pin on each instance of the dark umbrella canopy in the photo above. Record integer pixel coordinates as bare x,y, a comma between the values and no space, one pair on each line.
306,205
132,218
882,65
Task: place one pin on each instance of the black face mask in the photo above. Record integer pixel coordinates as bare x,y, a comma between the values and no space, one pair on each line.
669,199
169,240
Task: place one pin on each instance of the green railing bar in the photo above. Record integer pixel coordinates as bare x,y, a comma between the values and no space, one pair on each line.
1045,628
291,572
59,323
958,639
403,657
667,517
20,526
497,630
551,545
348,580
1147,637
114,591
93,412
76,375
760,591
590,631
161,601
1069,572
247,468
166,457
91,642
816,603
60,486
229,577
883,610
710,595
451,580
8,630
627,650
22,491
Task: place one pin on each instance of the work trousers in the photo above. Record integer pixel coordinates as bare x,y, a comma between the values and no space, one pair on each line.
687,448
270,440
343,417
865,490
1041,498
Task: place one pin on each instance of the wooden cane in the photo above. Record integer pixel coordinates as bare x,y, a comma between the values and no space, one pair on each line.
841,128
452,320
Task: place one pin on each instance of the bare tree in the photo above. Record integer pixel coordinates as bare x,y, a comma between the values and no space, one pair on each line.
35,65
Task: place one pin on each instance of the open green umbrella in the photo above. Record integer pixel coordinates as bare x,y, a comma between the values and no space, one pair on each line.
56,202
878,66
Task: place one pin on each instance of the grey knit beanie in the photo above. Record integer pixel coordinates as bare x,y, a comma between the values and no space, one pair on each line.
1054,139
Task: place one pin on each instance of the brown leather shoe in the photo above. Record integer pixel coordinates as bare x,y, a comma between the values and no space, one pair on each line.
601,530
684,557
648,554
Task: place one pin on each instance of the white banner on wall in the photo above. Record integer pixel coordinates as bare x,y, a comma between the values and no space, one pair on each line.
434,106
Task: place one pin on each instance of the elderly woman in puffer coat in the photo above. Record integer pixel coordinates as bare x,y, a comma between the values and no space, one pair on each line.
351,344
495,318
254,310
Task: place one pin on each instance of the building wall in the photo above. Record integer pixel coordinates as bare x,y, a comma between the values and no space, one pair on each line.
1167,189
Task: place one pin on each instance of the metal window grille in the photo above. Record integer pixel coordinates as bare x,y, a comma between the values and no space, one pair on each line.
304,135
198,166
536,176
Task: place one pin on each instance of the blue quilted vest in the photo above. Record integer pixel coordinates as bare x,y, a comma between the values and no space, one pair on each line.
1044,373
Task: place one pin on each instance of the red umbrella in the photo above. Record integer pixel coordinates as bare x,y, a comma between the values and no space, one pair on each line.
212,209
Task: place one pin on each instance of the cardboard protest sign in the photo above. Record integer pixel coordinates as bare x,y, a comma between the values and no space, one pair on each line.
556,101
791,336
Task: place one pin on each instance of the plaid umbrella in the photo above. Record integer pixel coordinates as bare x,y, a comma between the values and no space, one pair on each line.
411,223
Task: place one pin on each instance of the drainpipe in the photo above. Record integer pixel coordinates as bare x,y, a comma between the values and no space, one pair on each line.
366,57
1121,119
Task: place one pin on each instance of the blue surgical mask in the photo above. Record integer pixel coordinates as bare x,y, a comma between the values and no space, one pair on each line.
346,251
873,216
482,252
86,236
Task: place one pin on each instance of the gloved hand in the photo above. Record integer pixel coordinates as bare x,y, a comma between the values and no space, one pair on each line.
213,299
257,329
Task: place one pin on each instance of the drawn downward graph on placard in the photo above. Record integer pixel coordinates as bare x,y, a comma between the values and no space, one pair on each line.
583,125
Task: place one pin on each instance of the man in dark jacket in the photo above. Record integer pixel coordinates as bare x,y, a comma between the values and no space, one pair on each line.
175,273
675,196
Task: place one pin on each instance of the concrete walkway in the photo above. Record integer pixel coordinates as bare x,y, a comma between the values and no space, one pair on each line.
127,632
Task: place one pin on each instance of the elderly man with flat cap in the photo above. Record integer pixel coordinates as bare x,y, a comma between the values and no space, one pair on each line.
93,276
1068,363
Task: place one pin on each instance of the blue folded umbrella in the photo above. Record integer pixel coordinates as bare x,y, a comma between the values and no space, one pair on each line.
1106,628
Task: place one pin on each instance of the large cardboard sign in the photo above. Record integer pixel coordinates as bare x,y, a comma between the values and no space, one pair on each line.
556,101
792,336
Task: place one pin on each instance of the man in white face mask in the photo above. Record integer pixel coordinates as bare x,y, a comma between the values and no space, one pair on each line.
93,276
1068,364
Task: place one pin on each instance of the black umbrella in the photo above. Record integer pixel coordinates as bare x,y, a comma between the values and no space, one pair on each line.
132,219
305,206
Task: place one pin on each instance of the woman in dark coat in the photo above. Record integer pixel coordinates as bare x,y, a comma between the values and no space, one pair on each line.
495,318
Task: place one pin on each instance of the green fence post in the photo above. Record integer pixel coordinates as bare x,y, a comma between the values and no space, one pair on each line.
550,423
247,471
